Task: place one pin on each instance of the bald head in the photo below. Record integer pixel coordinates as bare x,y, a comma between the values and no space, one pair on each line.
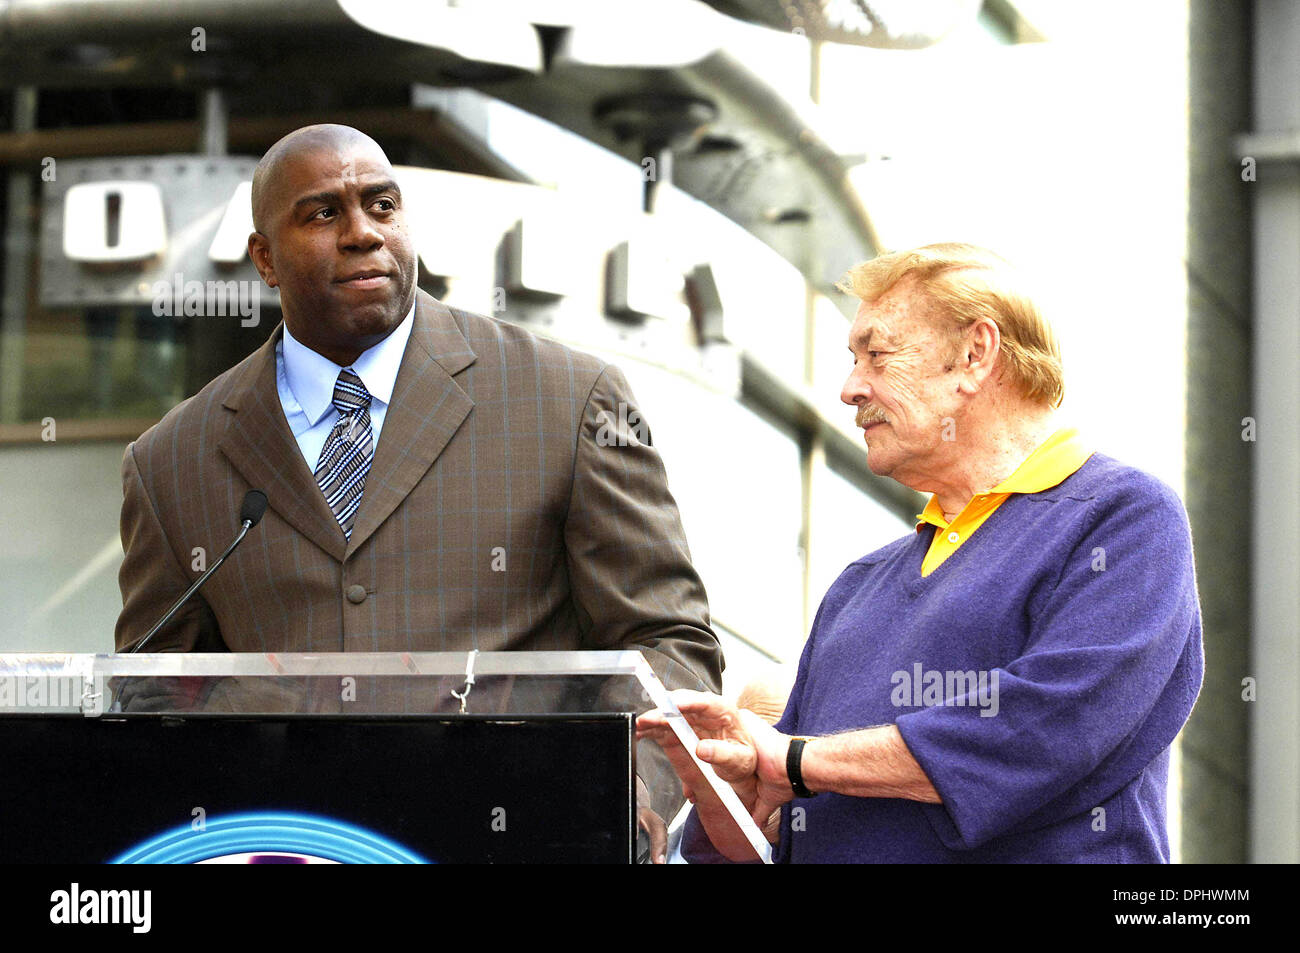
330,235
267,185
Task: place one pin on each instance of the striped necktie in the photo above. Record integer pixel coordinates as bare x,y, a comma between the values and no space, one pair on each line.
348,452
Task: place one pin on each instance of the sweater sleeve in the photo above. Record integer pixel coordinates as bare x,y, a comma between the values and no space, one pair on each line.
1105,680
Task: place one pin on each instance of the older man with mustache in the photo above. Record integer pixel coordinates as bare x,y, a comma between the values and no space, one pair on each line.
1004,683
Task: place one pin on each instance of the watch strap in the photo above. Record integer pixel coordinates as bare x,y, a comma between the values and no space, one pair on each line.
793,767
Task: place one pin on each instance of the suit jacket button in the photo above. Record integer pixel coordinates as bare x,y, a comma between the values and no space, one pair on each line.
356,594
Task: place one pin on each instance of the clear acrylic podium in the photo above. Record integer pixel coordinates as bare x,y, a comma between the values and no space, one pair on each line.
436,757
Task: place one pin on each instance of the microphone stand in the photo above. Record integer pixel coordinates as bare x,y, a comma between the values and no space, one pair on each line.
244,527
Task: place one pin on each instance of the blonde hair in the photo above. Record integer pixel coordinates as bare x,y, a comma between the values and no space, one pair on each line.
964,284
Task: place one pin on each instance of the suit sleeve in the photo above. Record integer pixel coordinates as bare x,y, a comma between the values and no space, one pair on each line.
151,578
629,565
1105,681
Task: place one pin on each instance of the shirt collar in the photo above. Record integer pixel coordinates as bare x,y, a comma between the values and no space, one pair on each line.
311,376
1056,458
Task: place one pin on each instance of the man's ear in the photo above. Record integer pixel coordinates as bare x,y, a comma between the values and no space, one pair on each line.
259,249
979,355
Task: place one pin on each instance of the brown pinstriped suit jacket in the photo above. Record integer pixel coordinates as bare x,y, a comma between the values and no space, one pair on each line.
489,441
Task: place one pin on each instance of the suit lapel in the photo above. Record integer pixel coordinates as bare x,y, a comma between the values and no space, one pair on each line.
427,409
260,445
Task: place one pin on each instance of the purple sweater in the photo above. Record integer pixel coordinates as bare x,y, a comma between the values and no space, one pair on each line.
1038,676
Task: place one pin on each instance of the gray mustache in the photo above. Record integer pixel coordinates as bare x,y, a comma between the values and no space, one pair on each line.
867,416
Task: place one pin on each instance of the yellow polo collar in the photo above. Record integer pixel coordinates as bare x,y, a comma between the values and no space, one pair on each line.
1055,459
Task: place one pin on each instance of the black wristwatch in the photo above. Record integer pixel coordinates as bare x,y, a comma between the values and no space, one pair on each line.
793,757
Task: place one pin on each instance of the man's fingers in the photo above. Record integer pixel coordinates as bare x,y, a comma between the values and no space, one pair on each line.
763,814
687,696
652,725
657,830
651,719
731,761
660,733
709,715
704,708
679,758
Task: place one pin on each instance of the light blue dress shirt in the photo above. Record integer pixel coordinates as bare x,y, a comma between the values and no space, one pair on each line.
306,381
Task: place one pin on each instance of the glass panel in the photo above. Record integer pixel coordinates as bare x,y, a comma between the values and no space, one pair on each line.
362,685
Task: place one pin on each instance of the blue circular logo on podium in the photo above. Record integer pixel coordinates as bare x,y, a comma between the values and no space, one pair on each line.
270,839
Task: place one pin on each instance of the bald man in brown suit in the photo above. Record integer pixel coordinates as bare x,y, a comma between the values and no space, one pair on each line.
504,509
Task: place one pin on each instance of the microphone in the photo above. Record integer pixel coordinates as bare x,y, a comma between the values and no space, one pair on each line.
251,512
